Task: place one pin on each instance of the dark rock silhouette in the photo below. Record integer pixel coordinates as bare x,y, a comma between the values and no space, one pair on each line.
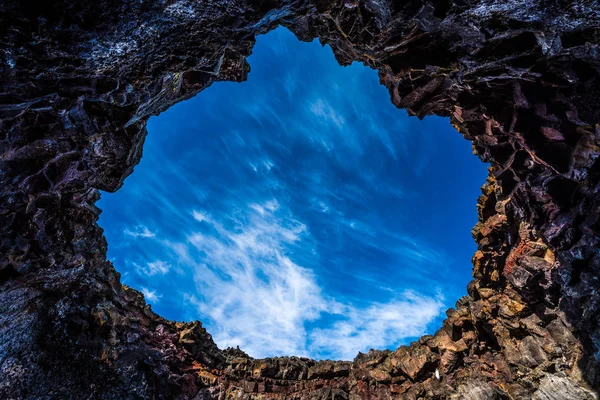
520,79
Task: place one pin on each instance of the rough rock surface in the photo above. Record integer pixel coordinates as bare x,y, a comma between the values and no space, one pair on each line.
520,79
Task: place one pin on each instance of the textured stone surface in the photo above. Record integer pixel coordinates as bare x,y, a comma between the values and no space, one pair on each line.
520,79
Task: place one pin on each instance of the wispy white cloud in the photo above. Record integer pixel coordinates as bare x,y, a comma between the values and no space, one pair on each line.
256,295
150,295
322,109
157,267
200,216
253,294
377,326
139,231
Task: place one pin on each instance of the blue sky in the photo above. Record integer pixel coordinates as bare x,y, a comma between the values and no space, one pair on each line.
300,212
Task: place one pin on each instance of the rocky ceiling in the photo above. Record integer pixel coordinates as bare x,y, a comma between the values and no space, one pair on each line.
520,79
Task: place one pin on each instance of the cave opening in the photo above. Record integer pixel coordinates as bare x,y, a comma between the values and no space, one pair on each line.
300,212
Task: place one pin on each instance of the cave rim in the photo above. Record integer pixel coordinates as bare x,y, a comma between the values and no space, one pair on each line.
432,326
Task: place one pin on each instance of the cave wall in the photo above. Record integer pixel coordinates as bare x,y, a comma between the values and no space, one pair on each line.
520,79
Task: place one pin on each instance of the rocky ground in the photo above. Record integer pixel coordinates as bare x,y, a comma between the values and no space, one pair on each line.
520,79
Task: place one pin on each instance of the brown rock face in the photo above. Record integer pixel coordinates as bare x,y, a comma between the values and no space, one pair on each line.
520,79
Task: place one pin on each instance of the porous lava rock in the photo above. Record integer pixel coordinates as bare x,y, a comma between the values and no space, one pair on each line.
518,78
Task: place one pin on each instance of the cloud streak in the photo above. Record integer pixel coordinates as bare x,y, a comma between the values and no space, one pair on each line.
248,284
150,295
257,297
139,231
376,326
